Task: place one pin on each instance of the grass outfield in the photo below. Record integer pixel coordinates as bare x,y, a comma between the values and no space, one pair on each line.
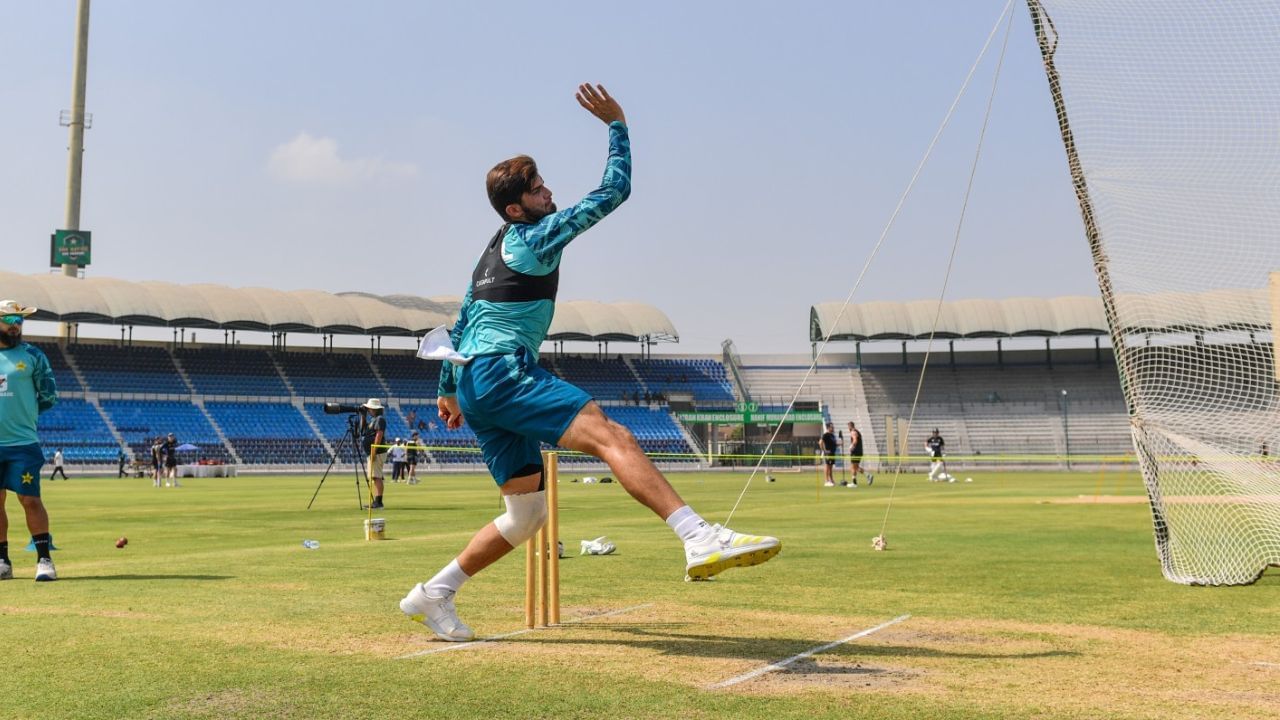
1019,607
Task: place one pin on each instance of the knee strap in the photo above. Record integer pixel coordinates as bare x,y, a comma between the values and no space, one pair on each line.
525,515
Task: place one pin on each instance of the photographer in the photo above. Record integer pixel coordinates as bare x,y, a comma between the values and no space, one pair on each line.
373,431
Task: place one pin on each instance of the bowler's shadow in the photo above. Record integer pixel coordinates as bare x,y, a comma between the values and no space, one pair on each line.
663,638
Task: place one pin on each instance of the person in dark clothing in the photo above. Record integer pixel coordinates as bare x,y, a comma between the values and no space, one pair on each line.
827,444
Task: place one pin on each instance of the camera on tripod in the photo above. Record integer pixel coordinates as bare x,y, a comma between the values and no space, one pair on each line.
341,408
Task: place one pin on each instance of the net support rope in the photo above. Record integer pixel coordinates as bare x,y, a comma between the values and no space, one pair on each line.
897,210
951,259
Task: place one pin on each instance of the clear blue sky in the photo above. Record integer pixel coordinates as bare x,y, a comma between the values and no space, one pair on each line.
343,146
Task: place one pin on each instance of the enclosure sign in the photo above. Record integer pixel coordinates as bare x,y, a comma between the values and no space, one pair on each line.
69,247
745,418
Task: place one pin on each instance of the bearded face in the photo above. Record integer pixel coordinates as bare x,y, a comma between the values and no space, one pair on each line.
10,331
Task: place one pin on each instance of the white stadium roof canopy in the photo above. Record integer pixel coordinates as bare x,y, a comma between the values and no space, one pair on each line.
1218,310
110,301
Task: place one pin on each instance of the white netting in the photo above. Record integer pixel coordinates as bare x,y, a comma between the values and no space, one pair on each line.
1170,111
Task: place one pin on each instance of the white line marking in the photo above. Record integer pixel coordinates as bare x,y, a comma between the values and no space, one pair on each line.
491,638
784,663
1267,664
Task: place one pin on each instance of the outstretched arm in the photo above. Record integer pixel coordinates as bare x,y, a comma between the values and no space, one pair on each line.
550,236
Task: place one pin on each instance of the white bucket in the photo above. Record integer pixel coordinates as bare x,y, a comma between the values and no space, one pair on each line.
375,528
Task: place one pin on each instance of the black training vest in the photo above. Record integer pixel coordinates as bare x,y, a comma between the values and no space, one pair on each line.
495,282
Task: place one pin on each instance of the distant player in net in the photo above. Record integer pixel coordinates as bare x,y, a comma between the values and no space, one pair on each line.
513,404
937,466
855,456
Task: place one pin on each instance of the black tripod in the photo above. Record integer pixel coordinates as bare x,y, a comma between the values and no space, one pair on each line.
348,438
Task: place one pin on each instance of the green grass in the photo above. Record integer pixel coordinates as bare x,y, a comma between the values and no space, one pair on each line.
1020,607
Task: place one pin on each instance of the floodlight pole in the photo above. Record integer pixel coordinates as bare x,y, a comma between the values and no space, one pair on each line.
75,145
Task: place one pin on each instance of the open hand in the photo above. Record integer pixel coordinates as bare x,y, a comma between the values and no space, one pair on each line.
598,102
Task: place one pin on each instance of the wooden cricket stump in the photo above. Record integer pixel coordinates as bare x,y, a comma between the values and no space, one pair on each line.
542,558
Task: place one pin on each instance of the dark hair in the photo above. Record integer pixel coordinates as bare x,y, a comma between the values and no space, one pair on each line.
508,181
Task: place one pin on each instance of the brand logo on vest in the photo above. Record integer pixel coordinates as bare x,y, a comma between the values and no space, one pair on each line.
487,279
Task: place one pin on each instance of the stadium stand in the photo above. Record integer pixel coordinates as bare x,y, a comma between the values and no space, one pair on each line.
231,372
139,422
255,397
408,376
76,427
656,430
150,370
269,433
330,376
1011,409
603,379
62,373
704,378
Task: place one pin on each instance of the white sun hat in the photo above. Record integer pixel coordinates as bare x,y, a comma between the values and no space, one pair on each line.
11,307
374,404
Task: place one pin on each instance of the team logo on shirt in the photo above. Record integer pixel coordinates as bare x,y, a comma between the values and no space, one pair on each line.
20,365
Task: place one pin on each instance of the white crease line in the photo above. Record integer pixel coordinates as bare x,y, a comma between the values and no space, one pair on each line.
491,638
1267,664
783,663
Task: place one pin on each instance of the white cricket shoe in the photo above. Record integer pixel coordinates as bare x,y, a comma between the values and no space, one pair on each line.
45,571
6,571
437,613
720,548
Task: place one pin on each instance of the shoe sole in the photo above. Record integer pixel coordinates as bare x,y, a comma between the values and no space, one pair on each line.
409,610
717,563
46,578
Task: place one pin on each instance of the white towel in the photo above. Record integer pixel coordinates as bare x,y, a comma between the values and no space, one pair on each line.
437,345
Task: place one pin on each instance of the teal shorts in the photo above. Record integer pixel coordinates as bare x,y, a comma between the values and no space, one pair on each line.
20,469
514,406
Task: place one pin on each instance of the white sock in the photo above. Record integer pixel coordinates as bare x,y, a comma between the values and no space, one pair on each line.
687,523
447,581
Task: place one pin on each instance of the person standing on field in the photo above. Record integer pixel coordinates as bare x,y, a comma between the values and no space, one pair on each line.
855,456
830,448
513,404
373,432
26,390
934,446
411,457
57,466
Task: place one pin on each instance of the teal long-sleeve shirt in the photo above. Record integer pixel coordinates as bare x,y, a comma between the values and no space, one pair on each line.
26,390
485,327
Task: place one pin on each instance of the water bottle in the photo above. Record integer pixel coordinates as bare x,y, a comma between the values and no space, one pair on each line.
311,544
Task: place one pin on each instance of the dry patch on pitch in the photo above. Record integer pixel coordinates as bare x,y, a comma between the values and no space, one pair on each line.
1054,669
1028,669
1005,667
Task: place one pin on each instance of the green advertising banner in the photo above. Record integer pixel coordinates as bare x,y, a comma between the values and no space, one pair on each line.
69,247
745,418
